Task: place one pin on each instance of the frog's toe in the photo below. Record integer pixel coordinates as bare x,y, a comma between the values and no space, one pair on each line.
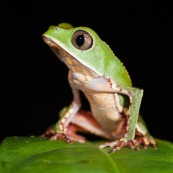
145,140
67,138
61,136
49,132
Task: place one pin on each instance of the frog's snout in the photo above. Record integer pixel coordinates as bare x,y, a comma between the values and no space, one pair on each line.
47,40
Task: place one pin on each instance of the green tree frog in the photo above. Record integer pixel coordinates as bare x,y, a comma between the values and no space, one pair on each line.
101,76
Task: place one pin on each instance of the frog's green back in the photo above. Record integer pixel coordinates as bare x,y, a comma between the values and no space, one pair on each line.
113,68
99,57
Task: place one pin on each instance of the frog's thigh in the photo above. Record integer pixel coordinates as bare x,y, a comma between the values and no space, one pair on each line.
141,126
86,121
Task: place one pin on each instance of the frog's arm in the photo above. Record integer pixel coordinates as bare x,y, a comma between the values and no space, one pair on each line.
135,97
68,113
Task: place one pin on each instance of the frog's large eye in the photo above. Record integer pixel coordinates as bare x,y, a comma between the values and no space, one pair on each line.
82,40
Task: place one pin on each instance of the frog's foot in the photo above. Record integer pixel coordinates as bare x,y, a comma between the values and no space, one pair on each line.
69,137
48,133
61,136
118,144
136,144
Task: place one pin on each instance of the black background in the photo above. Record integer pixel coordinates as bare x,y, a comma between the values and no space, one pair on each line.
34,82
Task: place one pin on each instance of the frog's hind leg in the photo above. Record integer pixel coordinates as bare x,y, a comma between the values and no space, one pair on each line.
87,124
69,137
82,123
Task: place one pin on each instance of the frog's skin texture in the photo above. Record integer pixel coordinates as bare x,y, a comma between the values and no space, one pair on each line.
100,75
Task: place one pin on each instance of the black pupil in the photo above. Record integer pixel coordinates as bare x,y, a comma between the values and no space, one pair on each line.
80,40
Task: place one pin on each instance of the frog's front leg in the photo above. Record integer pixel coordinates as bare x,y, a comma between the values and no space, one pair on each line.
133,138
66,116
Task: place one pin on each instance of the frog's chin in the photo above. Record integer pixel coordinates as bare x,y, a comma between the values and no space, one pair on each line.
54,47
47,40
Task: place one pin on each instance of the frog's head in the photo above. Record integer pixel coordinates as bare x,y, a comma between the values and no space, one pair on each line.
83,44
78,42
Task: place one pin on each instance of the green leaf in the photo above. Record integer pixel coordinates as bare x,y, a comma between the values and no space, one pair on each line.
38,155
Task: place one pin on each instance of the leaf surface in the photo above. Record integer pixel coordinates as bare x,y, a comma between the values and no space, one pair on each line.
39,155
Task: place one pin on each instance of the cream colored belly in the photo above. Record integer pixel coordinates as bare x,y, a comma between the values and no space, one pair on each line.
104,109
